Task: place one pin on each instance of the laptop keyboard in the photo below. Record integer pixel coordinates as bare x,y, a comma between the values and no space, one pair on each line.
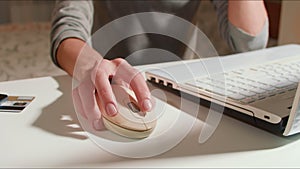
253,83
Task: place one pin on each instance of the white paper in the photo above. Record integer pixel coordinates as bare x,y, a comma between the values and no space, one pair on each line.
293,125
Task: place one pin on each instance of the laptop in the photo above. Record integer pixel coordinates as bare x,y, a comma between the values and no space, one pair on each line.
258,87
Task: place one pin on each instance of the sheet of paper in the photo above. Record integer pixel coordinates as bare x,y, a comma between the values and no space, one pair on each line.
293,125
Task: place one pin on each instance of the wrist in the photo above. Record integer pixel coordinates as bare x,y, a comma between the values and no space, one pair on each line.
76,57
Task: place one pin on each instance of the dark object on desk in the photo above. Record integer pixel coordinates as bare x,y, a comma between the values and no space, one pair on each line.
3,97
14,104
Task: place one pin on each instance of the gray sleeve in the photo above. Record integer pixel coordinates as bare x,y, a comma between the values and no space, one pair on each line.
237,39
70,19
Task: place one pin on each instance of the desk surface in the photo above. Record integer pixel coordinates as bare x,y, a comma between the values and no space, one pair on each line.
45,135
41,136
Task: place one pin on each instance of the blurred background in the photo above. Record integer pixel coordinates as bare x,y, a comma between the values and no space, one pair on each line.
25,31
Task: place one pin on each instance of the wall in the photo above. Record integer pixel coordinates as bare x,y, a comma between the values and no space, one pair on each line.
289,30
25,11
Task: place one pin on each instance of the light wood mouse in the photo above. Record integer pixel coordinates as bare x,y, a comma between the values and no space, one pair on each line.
130,122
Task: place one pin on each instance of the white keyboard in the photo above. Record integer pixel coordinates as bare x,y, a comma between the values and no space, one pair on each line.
253,83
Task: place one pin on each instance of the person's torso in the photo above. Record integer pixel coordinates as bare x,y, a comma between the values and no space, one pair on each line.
107,11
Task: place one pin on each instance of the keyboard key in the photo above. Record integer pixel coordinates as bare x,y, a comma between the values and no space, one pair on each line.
236,97
254,83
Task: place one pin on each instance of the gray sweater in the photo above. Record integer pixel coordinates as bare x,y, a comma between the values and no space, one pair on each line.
79,19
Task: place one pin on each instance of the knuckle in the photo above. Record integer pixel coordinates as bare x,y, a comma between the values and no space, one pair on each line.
100,73
119,61
135,72
99,70
104,62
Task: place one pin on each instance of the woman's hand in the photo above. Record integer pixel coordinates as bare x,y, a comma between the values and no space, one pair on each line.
94,75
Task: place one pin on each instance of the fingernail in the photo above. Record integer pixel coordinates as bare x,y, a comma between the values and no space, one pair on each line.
111,109
97,125
147,105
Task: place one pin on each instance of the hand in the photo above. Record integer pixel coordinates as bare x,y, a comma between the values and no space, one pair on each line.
98,83
93,72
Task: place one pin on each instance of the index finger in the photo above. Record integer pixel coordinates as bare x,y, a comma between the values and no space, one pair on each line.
138,84
100,76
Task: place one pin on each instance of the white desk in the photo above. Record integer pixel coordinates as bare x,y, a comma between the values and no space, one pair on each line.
40,137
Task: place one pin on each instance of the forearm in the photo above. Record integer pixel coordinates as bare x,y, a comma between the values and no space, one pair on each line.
250,16
70,20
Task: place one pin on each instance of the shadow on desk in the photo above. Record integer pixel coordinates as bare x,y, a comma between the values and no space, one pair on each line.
59,118
230,136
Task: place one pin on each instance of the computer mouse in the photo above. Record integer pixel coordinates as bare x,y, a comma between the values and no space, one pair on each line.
130,121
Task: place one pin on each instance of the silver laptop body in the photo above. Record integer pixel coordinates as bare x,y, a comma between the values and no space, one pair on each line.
257,87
